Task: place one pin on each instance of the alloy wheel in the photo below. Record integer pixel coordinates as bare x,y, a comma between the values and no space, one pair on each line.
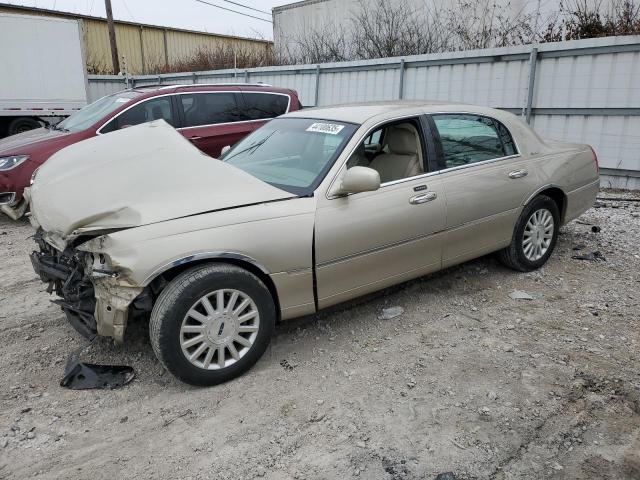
219,329
538,234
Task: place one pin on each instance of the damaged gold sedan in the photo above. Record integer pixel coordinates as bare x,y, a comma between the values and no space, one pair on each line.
315,208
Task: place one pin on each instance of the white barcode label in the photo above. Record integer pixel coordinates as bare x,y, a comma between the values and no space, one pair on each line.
330,128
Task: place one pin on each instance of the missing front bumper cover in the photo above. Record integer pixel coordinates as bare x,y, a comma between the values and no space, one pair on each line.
94,301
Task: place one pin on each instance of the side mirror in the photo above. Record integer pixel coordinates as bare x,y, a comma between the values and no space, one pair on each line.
225,149
358,179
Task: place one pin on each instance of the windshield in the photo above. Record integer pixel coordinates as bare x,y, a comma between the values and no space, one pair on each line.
292,154
96,111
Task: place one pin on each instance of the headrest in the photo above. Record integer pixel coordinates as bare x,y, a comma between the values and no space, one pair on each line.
402,142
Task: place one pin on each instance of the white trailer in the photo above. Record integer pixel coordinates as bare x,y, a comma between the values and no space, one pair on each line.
42,71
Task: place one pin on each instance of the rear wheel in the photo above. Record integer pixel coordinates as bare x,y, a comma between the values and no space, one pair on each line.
534,237
212,323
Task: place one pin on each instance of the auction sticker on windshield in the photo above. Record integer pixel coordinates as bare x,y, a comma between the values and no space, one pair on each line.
331,128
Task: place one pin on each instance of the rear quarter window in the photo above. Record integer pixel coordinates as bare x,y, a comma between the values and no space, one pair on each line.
265,105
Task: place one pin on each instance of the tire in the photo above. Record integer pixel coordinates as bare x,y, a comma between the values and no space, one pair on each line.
519,255
22,124
183,323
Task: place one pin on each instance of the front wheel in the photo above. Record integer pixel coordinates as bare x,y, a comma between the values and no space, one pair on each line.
212,323
534,236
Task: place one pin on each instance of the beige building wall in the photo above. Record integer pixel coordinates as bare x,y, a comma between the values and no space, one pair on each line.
145,48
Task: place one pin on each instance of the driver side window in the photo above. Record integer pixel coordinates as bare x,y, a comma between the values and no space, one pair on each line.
153,109
393,150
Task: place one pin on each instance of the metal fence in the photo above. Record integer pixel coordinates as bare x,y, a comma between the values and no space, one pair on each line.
584,91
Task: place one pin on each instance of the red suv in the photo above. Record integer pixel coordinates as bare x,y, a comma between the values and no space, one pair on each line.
210,116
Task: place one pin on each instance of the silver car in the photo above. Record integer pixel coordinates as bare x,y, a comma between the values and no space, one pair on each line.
314,208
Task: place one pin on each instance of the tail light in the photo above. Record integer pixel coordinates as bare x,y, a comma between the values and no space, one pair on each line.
595,158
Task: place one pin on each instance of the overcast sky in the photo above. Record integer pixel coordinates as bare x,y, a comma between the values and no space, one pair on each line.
188,14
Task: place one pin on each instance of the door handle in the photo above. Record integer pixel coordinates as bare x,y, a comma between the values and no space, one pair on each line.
195,137
518,174
423,198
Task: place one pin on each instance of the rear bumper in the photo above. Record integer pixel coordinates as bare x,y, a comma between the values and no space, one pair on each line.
580,200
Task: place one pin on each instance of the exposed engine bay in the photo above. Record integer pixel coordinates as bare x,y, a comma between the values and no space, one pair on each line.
65,272
92,298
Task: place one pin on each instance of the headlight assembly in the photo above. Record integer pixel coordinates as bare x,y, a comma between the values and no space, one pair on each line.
33,176
12,161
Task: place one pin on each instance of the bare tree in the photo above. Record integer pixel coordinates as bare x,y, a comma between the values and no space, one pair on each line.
322,45
390,29
486,24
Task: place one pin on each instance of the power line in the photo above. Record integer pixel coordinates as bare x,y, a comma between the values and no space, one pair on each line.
247,7
234,11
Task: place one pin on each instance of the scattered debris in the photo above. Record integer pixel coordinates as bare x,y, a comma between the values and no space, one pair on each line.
520,295
446,476
595,229
580,246
171,420
391,312
317,417
591,256
286,365
459,445
82,376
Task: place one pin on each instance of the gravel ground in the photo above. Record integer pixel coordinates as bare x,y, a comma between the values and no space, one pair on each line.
467,380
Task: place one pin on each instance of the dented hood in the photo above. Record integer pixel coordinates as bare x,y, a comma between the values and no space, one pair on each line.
137,176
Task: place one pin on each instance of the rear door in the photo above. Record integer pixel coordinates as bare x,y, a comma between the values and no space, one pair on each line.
212,120
484,178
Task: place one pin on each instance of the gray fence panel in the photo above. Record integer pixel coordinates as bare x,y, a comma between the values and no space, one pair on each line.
585,91
101,85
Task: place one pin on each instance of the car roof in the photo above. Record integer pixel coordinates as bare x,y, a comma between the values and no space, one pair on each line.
359,113
152,90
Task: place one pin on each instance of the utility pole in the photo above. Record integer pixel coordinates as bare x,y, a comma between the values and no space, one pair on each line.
112,38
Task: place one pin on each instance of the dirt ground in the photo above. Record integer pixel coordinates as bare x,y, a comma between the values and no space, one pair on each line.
467,380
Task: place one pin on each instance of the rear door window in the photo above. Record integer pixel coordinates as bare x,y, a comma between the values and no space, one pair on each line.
264,105
147,111
212,108
470,139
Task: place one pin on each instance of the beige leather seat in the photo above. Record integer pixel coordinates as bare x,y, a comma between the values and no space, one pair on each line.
402,159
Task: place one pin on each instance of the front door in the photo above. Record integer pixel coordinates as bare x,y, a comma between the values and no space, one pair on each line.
368,241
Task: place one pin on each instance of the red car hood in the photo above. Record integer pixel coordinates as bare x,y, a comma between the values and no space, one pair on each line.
27,142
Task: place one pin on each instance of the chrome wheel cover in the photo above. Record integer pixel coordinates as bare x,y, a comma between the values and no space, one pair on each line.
219,329
538,233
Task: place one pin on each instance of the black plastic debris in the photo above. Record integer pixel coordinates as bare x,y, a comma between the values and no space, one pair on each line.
446,476
83,376
591,257
580,246
595,229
